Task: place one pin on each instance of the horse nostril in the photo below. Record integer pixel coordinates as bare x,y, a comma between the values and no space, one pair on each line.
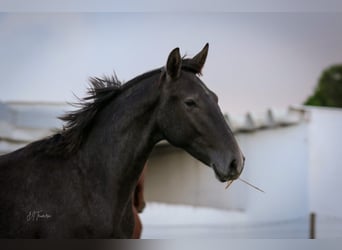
233,165
235,168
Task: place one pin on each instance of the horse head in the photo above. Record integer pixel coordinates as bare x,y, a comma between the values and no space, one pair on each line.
189,117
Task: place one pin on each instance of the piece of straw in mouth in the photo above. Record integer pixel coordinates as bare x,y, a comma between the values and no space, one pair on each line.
246,182
229,183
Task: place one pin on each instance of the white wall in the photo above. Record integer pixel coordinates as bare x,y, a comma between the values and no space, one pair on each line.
326,170
277,162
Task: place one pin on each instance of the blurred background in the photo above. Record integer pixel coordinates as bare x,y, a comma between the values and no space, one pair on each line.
262,66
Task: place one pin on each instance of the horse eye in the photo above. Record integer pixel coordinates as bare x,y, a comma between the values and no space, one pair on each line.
190,103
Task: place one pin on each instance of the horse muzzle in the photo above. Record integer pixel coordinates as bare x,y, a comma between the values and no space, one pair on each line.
231,172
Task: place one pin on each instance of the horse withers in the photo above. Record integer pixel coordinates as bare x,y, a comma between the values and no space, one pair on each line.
78,183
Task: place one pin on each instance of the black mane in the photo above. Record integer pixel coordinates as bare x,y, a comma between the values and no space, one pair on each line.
79,122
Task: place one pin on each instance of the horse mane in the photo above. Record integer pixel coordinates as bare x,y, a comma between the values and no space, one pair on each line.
79,122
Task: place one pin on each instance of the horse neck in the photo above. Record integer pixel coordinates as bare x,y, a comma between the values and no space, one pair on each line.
123,135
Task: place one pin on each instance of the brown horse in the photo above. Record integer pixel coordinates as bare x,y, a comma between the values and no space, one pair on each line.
138,205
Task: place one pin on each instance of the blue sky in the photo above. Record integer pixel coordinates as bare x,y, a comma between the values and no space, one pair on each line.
256,60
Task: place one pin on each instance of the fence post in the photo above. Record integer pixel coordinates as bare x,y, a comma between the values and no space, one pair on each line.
312,233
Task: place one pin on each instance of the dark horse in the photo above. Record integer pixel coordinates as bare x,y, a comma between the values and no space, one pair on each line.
79,182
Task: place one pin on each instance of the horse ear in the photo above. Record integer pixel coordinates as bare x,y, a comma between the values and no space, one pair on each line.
200,58
174,64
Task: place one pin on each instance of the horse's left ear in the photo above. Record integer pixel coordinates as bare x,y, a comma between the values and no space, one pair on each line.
174,64
200,58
